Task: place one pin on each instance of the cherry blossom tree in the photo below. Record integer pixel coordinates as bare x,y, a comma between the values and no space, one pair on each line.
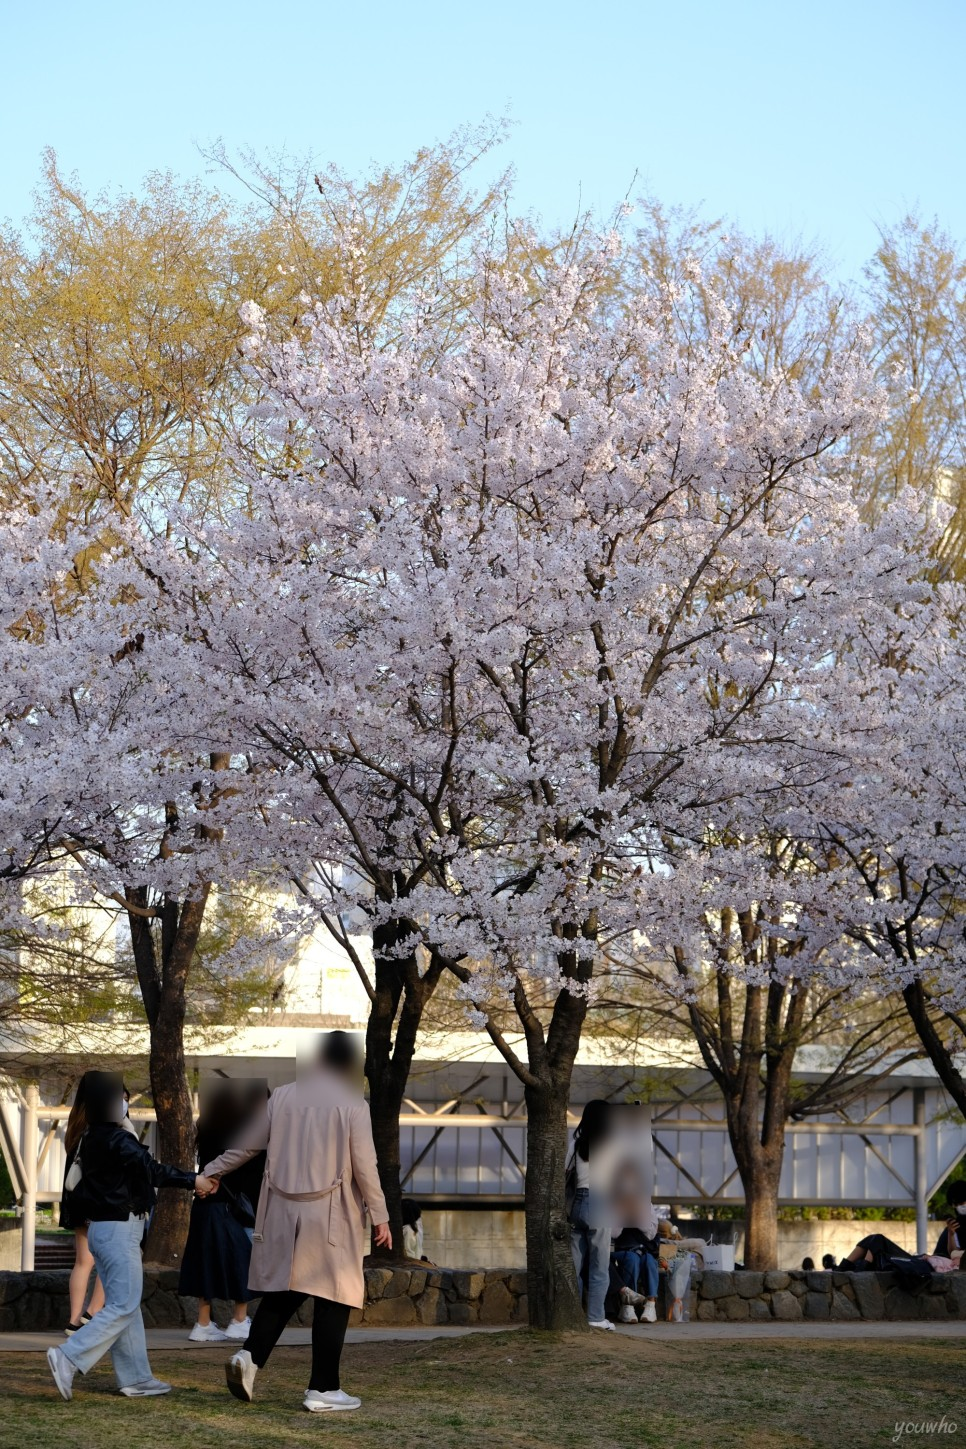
519,629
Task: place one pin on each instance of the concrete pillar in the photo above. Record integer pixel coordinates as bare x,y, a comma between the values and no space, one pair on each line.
922,1167
31,1149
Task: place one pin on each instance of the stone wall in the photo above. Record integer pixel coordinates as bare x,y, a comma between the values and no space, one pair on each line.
741,1296
414,1297
400,1297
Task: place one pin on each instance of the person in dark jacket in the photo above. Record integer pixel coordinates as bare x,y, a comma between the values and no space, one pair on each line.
115,1194
218,1252
952,1239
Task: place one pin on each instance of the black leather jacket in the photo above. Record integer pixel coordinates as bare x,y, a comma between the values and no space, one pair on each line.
119,1176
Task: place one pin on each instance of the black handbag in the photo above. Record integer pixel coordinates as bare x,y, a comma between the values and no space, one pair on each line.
239,1205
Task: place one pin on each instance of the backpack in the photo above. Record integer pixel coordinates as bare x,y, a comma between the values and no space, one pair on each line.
911,1272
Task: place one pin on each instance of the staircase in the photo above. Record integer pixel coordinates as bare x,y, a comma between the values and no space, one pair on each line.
54,1252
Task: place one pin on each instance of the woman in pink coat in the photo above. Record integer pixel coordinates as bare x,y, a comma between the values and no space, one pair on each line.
309,1237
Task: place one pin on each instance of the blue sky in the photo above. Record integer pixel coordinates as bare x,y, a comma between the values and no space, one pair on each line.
819,119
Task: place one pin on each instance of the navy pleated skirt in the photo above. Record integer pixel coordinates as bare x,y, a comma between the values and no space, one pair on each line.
217,1254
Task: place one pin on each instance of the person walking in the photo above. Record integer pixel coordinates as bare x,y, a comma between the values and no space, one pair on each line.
80,1274
115,1194
218,1251
320,1177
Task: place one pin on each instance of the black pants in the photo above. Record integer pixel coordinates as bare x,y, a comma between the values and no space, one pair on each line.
882,1249
329,1323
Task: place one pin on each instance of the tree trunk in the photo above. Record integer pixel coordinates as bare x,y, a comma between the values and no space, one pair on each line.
399,989
176,1135
163,963
761,1220
552,1292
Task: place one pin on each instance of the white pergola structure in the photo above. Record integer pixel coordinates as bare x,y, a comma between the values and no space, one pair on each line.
463,1130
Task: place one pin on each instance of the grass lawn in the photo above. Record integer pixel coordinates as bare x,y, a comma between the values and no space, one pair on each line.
498,1391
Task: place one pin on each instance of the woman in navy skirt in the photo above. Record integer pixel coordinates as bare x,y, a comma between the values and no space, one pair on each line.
219,1247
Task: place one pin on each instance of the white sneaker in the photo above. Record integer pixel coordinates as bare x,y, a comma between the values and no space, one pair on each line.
149,1389
238,1331
240,1373
601,1323
650,1312
317,1402
208,1333
629,1296
63,1371
628,1314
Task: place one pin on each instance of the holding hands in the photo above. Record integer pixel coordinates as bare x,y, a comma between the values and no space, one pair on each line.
205,1186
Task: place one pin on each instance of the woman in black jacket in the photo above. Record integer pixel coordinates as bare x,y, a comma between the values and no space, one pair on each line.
115,1194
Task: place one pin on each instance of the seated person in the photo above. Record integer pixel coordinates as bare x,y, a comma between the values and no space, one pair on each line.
828,1261
807,1265
636,1259
952,1239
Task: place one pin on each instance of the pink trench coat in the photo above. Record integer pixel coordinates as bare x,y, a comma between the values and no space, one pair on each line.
320,1177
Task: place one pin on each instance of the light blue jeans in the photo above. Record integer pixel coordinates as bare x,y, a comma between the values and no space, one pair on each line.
590,1245
116,1248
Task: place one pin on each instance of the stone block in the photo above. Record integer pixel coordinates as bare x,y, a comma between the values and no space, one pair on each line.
750,1285
869,1295
517,1282
758,1310
776,1280
469,1286
841,1280
817,1305
463,1312
355,1317
716,1284
797,1287
496,1305
933,1306
398,1284
843,1307
705,1311
417,1282
901,1305
496,1275
396,1312
377,1281
167,1311
12,1286
786,1306
434,1278
819,1282
955,1284
431,1307
732,1308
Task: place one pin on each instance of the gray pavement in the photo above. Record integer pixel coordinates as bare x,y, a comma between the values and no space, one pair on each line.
177,1338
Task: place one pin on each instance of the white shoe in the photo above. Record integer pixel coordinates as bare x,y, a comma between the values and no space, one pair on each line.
601,1323
63,1371
208,1333
149,1389
317,1402
628,1314
240,1373
238,1331
629,1296
650,1312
